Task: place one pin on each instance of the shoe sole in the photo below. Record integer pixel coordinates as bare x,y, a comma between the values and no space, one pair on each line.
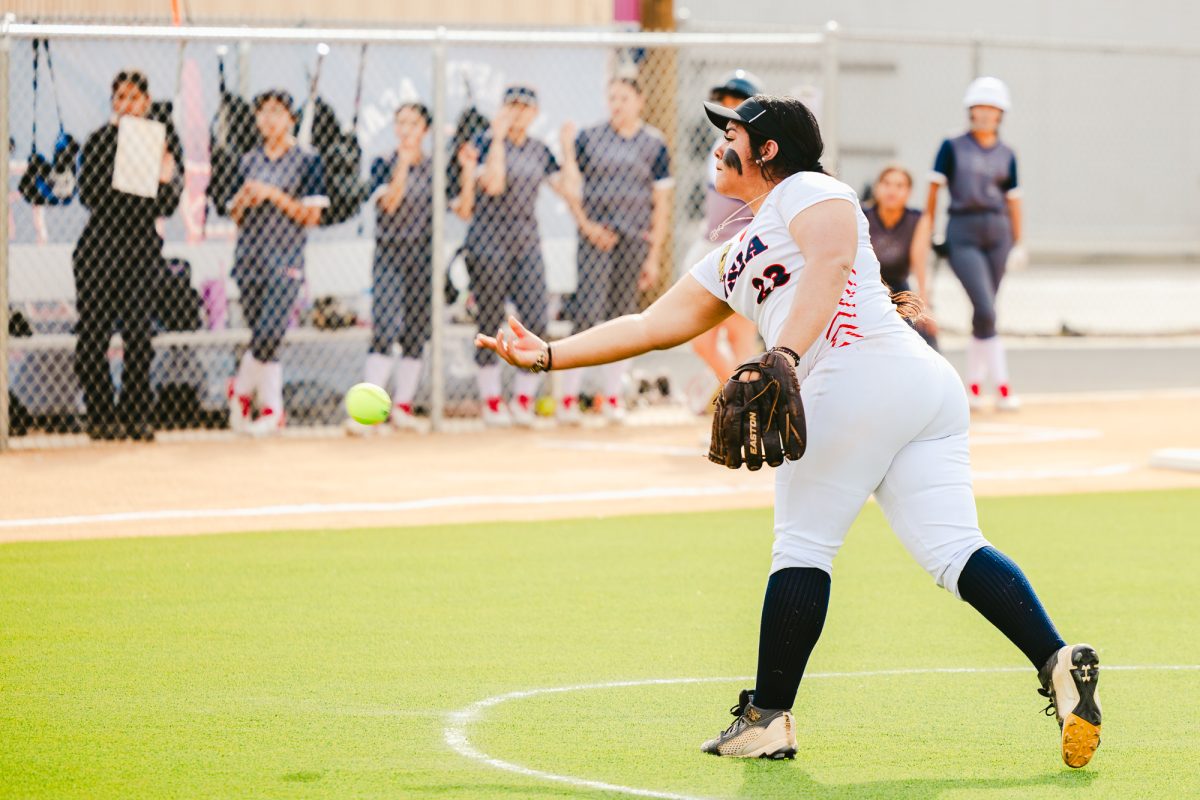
779,755
1081,727
767,752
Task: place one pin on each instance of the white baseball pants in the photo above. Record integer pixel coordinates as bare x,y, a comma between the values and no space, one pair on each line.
886,416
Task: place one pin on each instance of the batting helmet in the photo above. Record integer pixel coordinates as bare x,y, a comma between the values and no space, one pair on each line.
987,91
739,83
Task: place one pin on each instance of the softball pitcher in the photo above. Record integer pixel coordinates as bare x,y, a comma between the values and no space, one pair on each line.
851,397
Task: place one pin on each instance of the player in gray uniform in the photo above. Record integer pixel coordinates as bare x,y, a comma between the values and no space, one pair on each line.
900,238
620,170
980,172
504,247
281,195
402,272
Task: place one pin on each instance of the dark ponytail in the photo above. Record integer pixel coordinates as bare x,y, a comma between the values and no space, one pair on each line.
800,150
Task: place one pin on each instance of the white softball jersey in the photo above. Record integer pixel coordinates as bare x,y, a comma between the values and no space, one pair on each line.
886,414
756,271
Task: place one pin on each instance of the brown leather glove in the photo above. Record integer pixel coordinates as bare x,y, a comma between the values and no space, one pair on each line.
761,418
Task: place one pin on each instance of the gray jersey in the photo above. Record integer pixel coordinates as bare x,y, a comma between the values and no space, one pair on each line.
620,175
270,242
979,178
893,246
412,221
511,217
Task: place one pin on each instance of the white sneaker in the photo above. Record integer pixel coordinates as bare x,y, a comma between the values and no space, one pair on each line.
269,423
614,410
1069,680
239,409
495,414
1007,401
975,398
521,410
569,412
403,419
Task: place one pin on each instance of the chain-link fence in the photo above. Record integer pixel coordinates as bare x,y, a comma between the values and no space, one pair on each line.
222,230
275,216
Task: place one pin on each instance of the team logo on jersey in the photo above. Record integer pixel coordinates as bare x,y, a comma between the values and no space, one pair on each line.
756,247
721,260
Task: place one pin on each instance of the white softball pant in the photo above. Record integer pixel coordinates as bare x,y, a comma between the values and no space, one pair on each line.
886,416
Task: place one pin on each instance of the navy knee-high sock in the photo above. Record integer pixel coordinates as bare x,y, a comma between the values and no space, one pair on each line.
792,617
998,589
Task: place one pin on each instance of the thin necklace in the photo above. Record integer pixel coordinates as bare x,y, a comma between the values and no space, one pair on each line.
716,233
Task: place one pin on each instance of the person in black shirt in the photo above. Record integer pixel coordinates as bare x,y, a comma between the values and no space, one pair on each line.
900,238
114,263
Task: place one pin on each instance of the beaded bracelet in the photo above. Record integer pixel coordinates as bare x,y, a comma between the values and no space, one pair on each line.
545,361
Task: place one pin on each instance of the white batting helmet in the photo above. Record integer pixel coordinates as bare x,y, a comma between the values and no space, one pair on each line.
988,91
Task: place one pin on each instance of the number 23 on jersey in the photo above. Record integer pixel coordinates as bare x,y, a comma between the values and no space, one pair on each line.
772,277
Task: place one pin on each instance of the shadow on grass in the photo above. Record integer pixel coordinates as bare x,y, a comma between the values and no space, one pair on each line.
765,779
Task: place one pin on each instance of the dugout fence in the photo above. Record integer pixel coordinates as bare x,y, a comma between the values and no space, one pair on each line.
203,309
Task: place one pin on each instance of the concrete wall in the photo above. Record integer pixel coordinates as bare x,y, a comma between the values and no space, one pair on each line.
1108,143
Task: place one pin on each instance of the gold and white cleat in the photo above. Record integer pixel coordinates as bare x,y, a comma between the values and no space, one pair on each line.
756,733
1069,679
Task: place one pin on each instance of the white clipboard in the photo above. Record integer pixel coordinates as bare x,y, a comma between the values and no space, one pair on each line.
141,144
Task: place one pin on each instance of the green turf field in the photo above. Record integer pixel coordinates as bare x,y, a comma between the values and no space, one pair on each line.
297,665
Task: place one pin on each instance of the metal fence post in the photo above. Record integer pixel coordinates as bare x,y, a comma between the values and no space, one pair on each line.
5,51
437,356
829,100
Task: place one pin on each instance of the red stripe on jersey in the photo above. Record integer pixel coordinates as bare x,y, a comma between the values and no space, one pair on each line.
836,316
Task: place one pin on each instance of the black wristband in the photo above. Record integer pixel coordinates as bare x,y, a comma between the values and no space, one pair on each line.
549,358
794,356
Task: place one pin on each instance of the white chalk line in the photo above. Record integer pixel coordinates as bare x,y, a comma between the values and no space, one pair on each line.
461,501
1020,474
585,445
993,433
475,501
455,730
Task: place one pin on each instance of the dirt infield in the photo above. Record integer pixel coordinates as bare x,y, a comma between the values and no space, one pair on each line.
1054,445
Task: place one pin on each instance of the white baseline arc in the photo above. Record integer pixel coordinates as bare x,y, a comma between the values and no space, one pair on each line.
455,731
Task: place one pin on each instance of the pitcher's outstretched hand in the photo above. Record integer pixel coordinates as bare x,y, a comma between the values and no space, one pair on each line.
518,347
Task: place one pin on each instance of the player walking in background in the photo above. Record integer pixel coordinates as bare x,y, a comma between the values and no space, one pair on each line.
503,247
980,172
725,217
900,238
886,414
402,272
620,171
281,194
